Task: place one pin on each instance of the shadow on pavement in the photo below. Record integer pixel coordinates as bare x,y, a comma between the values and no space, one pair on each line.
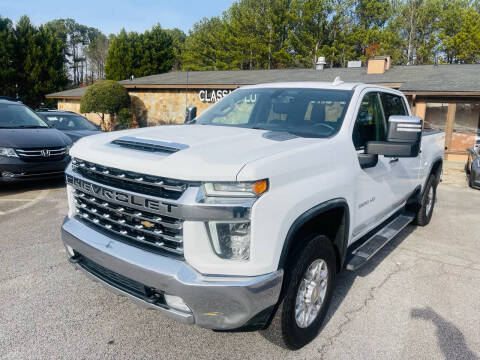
450,338
9,189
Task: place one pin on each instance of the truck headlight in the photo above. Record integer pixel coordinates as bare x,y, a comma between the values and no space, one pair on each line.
8,152
230,240
236,189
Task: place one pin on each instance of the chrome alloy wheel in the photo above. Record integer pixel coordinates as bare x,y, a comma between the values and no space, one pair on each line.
311,293
429,205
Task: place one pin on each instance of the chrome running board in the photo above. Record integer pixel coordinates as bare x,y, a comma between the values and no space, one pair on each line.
365,252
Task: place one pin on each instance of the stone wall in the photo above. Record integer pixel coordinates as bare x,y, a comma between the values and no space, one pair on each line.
157,106
74,105
164,106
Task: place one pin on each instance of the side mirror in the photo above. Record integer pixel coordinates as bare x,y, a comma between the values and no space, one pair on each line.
190,114
404,135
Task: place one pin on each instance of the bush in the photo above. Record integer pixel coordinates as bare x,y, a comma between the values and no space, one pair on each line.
105,97
125,119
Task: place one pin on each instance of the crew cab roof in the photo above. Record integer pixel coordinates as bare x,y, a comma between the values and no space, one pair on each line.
316,85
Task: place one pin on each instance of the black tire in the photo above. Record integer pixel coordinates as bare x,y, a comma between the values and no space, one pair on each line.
424,213
284,329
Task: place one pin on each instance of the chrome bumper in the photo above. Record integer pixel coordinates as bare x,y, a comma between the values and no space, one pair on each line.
217,302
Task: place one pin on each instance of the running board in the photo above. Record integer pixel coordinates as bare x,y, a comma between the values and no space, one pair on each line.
362,254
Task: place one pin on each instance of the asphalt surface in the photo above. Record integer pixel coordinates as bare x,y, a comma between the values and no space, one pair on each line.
419,298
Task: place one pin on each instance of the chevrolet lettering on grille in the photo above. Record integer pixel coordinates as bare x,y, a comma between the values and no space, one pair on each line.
121,197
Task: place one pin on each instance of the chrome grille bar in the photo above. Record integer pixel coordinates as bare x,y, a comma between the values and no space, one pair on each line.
163,232
123,223
161,245
132,177
38,152
177,224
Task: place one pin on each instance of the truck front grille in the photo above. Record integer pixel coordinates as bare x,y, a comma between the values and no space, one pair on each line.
130,181
138,228
42,154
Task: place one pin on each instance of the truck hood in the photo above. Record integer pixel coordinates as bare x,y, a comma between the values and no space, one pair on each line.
214,153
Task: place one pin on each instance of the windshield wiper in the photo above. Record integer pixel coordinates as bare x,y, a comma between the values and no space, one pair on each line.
304,134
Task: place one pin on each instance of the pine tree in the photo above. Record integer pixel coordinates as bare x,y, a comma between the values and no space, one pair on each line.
7,58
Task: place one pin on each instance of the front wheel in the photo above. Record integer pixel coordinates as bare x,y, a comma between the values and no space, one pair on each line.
308,292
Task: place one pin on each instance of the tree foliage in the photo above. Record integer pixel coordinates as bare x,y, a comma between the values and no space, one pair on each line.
261,34
31,61
140,54
77,39
105,97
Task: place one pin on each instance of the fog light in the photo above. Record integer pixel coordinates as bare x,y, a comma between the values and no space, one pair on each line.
70,251
177,303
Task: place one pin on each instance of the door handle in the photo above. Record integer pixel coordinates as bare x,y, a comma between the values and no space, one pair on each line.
393,160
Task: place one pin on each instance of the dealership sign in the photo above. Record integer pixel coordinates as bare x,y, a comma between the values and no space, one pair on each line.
212,96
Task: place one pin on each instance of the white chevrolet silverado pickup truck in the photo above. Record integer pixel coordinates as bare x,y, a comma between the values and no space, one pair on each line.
241,218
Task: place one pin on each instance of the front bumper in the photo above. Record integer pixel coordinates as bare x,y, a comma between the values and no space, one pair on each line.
217,302
19,170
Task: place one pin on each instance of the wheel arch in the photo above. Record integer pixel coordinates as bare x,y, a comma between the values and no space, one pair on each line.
435,169
314,220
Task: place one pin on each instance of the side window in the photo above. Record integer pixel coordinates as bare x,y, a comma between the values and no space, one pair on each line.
370,124
393,105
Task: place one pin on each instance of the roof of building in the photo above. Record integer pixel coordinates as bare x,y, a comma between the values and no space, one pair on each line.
415,78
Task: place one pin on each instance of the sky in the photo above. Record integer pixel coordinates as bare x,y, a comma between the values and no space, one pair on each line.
110,16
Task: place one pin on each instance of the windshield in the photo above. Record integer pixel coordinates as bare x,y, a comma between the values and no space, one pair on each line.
70,122
15,116
303,112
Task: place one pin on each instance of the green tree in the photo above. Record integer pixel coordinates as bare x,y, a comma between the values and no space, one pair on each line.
206,47
77,39
467,40
39,62
139,54
105,97
178,39
7,57
459,31
96,54
309,33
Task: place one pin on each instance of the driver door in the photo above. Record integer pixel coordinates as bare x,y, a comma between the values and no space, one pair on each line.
373,193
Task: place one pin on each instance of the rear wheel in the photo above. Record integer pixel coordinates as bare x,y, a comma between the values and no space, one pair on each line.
427,203
309,283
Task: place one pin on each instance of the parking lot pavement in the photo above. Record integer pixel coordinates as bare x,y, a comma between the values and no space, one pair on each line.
419,298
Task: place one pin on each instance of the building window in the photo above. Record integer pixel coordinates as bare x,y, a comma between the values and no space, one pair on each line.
435,116
465,127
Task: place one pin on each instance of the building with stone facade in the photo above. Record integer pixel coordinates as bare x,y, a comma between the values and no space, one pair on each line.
447,97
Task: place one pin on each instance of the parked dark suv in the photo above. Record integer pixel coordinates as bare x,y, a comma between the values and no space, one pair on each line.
29,147
72,124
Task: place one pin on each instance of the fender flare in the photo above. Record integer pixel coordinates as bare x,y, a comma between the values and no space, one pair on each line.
341,243
432,165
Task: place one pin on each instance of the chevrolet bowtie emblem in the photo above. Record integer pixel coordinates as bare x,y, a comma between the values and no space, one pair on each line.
147,224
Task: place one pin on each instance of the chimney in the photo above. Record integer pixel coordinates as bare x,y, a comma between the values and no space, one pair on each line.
320,63
379,64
